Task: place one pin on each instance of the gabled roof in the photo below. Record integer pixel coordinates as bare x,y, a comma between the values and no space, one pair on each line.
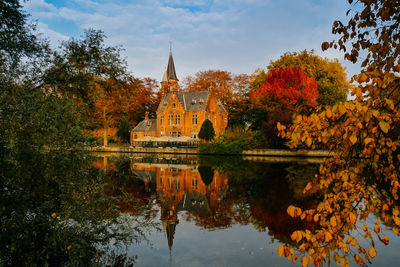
149,125
221,107
191,101
171,73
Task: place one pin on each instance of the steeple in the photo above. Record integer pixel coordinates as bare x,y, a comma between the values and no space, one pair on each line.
164,78
171,74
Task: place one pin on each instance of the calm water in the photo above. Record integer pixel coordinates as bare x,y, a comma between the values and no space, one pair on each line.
124,210
222,211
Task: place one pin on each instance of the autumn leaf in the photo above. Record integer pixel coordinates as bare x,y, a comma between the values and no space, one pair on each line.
353,139
384,126
53,215
352,218
304,261
280,251
372,252
385,240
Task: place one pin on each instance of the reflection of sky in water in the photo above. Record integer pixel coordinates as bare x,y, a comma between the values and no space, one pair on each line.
241,245
238,245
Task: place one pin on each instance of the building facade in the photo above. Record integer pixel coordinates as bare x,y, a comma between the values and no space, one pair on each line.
182,113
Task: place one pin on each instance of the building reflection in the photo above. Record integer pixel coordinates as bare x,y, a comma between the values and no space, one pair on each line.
195,189
183,189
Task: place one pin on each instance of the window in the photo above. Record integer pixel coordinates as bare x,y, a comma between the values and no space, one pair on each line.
135,136
178,185
162,120
170,117
177,119
194,184
162,133
173,105
194,119
215,120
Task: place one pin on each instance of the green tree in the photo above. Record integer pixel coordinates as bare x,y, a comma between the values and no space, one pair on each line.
123,130
330,75
207,130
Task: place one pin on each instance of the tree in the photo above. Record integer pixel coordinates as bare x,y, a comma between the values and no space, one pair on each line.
288,89
80,66
207,130
363,174
330,75
232,90
91,74
123,130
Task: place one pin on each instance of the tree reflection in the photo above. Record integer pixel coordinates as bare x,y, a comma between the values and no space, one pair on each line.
216,193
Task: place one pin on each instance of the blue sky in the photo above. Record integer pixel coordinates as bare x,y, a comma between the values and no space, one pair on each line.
236,35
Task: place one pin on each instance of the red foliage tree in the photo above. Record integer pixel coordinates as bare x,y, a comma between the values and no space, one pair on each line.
286,89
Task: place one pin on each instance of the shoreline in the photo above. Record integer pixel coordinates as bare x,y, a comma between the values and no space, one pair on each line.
195,151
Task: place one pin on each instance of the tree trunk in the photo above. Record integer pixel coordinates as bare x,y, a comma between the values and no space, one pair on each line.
105,143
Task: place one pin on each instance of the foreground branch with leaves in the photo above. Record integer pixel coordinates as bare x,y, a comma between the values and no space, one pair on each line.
362,177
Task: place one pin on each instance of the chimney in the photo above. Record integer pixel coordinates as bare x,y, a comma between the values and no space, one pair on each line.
146,116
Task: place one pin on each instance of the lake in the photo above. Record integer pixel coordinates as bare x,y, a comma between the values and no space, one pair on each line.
146,210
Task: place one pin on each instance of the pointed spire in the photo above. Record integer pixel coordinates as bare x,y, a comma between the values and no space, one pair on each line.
170,234
164,78
171,74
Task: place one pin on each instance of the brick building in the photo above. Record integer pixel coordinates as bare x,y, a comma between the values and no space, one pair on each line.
182,113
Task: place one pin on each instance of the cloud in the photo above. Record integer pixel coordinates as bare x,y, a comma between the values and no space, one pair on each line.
237,35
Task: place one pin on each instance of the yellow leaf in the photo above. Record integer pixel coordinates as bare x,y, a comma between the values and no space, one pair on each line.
53,215
384,126
295,258
328,112
353,139
308,187
333,221
396,220
365,228
328,236
69,247
304,261
372,252
309,142
377,229
358,92
352,218
362,78
368,140
375,113
390,103
280,251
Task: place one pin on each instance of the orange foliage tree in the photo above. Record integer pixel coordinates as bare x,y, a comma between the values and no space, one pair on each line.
362,177
232,90
114,102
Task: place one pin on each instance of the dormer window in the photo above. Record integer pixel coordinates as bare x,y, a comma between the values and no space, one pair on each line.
173,105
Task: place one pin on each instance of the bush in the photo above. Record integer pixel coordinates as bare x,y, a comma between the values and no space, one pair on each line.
91,140
235,148
207,131
123,130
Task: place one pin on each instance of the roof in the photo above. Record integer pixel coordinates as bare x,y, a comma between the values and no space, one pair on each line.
149,125
221,107
191,101
171,73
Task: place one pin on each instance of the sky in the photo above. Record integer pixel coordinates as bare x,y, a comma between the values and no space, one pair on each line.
238,36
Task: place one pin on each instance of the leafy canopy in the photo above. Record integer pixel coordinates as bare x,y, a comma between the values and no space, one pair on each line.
330,75
362,177
286,88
